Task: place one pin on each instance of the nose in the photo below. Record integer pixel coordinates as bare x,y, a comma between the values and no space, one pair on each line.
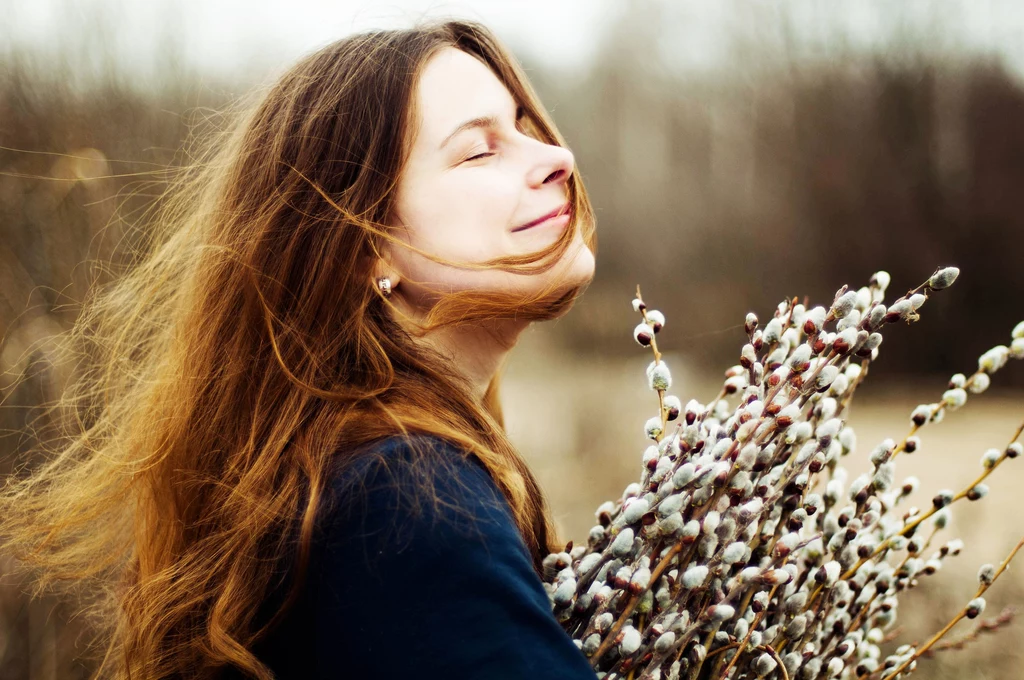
554,165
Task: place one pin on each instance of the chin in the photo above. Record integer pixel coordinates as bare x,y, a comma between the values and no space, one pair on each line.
583,266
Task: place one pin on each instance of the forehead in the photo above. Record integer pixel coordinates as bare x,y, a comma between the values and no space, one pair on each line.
453,87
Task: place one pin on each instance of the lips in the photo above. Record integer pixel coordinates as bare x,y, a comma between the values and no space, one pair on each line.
560,210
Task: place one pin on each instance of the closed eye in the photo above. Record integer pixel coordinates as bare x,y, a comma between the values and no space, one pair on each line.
520,112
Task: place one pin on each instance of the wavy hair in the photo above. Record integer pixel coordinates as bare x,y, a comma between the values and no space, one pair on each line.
246,352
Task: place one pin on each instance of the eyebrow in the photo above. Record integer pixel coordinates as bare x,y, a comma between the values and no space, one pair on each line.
478,122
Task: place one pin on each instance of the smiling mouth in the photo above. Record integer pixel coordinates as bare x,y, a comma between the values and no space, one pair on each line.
564,211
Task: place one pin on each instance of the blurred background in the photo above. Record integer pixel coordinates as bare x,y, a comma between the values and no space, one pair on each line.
736,152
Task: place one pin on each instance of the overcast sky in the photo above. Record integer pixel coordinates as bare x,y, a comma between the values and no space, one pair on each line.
225,36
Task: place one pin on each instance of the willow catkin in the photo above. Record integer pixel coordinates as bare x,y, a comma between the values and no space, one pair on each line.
745,548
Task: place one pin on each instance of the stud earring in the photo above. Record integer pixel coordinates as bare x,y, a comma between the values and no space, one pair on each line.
384,283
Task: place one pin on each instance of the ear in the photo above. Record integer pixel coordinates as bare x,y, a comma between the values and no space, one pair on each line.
382,254
382,267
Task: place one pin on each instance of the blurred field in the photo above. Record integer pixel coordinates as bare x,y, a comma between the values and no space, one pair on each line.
580,422
794,164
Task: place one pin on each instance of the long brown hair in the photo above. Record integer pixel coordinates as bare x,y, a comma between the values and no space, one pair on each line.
219,379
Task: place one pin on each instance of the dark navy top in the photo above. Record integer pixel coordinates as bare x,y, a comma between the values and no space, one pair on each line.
449,592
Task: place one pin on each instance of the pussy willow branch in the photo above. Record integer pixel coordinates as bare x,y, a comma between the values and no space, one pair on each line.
794,390
913,524
939,407
983,626
631,605
657,358
743,645
956,619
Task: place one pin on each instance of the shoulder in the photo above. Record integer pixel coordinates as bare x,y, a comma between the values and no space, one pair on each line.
418,496
443,590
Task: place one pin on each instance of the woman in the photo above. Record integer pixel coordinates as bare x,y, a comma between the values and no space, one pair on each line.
285,456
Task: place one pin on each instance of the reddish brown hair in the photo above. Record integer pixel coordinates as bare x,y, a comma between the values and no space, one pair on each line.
219,379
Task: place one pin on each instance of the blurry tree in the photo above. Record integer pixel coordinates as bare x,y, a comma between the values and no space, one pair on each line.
781,170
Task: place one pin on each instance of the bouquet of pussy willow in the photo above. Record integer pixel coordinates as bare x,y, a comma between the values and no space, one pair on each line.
746,550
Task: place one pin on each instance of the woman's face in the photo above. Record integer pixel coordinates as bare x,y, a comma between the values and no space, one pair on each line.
462,195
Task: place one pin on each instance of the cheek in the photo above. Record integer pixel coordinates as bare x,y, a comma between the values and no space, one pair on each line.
465,215
453,236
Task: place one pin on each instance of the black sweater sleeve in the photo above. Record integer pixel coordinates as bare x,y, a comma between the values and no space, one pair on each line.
447,592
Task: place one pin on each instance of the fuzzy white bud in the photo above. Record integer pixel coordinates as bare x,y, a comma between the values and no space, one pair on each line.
863,298
764,664
750,510
776,577
826,377
1017,348
772,331
941,518
734,552
720,613
658,376
987,574
921,414
623,543
664,642
839,385
844,305
829,428
977,492
643,334
979,383
749,574
884,476
877,315
994,359
848,439
655,319
899,310
830,572
670,505
975,607
750,323
565,592
799,360
990,458
588,562
634,509
684,475
652,428
694,576
630,640
814,320
641,579
673,405
954,398
789,414
880,280
943,278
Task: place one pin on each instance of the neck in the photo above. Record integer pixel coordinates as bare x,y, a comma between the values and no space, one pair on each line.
476,352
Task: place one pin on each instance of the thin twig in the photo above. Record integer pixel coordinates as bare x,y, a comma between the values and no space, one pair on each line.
984,626
956,619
